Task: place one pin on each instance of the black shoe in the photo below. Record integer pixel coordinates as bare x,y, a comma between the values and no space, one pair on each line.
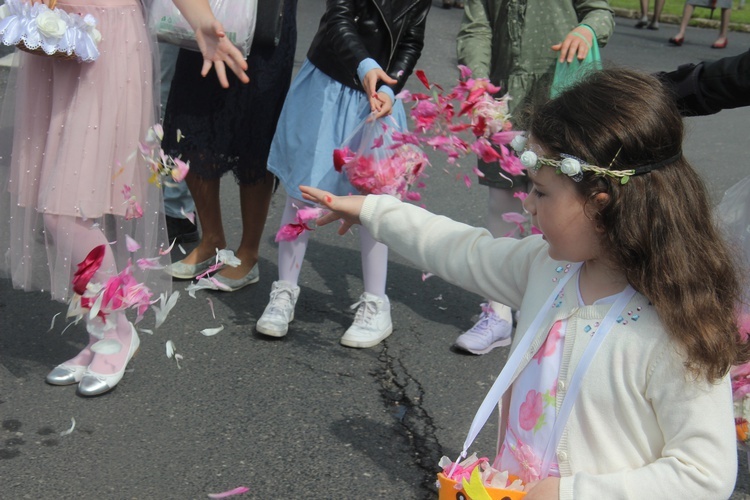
182,230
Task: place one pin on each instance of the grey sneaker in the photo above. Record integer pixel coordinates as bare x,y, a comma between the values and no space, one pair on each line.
280,310
372,322
490,331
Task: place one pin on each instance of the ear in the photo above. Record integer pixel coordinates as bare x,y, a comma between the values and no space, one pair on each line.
594,207
601,200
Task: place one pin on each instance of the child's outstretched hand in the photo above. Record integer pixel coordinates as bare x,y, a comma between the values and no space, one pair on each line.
346,208
576,44
380,102
546,489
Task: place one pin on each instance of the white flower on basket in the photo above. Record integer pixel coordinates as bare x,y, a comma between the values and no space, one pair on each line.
51,24
4,11
528,159
570,167
90,22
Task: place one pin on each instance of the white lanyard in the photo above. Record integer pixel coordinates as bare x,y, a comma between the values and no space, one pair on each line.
503,380
575,382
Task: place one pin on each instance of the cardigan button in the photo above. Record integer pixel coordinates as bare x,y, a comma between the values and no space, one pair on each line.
562,456
560,386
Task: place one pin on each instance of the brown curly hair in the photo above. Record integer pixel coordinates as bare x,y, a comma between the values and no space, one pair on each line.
658,227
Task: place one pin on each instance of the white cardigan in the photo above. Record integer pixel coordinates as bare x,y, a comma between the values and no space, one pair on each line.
642,426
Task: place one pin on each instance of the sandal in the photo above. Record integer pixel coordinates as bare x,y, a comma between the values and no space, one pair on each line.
458,4
677,41
447,4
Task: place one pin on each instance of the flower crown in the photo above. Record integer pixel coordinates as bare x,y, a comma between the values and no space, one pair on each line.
575,167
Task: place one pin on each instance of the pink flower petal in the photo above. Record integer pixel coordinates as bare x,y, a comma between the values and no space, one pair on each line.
225,494
131,244
188,215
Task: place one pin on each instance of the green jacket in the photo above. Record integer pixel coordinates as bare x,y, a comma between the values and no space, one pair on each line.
509,40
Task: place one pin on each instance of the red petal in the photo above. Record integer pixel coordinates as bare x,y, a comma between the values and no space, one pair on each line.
422,78
87,268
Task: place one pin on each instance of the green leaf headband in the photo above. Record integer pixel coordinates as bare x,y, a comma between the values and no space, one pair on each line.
575,167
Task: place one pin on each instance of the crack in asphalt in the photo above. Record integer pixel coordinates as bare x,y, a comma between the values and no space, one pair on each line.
403,396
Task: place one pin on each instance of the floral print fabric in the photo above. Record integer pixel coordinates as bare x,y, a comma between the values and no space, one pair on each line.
533,410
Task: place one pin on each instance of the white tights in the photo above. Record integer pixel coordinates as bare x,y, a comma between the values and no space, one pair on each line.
81,236
292,253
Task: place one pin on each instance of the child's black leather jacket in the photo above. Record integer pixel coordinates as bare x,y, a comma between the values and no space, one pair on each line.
389,31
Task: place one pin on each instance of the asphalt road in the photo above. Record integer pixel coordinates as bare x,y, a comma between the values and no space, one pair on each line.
300,417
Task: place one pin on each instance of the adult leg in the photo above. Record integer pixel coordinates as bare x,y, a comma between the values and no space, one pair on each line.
687,13
721,42
658,7
643,20
208,208
255,200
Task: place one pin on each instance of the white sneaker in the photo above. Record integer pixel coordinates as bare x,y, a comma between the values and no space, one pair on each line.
372,322
489,332
280,310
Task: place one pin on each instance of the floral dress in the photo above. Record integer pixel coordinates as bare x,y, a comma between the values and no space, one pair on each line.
533,409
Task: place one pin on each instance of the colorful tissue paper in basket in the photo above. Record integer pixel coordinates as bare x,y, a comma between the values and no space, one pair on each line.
740,376
49,31
477,479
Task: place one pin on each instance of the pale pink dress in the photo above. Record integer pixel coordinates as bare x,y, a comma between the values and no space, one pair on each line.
75,150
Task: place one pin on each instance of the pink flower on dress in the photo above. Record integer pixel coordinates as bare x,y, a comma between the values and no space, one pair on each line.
529,462
550,345
530,410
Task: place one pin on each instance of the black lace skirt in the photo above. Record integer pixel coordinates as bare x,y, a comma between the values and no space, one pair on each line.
230,129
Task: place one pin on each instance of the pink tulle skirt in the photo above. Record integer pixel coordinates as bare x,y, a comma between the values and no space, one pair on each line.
75,160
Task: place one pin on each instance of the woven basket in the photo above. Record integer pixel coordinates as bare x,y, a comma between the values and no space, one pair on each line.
39,51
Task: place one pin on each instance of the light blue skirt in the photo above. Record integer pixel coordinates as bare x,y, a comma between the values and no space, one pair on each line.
319,114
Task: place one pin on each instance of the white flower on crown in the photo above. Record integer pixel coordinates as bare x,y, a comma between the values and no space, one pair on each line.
570,166
50,24
528,159
518,143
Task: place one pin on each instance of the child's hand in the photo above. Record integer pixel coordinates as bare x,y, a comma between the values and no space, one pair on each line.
386,105
546,489
346,208
577,43
380,102
218,51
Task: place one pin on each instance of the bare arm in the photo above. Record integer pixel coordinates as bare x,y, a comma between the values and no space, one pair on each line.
217,50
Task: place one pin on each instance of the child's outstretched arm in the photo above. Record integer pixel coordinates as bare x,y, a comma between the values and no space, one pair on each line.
217,50
466,256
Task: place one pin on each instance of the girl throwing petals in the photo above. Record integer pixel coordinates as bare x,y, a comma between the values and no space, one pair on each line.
630,295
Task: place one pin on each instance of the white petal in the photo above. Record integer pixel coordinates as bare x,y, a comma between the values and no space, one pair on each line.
170,349
208,332
52,325
107,346
72,426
